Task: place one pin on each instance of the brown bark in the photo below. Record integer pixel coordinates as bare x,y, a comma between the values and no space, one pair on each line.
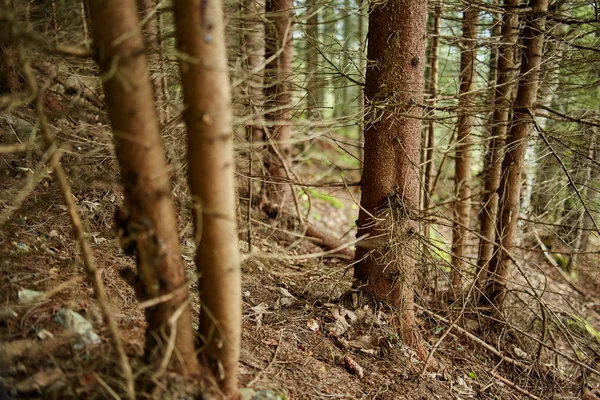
464,143
254,47
150,32
313,84
516,144
584,221
150,214
434,49
278,98
390,180
208,117
502,102
362,11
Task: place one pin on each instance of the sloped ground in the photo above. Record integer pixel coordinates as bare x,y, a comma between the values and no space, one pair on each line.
302,339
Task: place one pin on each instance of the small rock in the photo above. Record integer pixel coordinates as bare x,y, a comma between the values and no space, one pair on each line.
27,296
76,323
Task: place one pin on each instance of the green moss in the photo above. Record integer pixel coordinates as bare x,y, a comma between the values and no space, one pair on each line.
330,199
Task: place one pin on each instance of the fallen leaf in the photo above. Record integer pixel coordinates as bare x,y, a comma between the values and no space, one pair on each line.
313,324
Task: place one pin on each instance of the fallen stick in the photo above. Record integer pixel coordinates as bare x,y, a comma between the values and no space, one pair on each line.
514,386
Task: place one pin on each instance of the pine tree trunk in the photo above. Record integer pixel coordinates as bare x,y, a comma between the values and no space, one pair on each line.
150,32
516,145
149,216
464,143
502,102
429,137
313,81
254,47
583,220
278,103
362,39
390,182
208,117
344,100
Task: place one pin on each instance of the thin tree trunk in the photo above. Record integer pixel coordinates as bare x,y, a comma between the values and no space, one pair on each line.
362,39
344,107
390,181
584,222
254,47
502,102
313,82
512,165
150,30
150,217
434,50
208,117
464,143
278,100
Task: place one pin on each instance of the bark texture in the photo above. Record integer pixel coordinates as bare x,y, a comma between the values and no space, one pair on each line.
390,180
584,223
254,47
278,99
151,38
149,214
208,117
502,102
464,143
313,83
516,145
434,49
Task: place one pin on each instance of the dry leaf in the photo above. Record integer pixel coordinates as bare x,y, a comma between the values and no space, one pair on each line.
313,324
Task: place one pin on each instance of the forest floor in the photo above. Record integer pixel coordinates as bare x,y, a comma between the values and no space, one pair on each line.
300,340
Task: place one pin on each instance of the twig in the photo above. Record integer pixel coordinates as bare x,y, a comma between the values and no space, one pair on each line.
14,148
105,386
92,271
514,386
164,364
253,381
474,338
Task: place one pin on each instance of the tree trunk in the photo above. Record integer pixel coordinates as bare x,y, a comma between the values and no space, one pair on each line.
313,82
464,143
434,49
149,216
208,117
254,48
362,8
343,103
502,102
390,180
150,32
512,165
278,100
584,222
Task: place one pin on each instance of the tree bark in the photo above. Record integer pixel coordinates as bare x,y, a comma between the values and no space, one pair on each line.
254,47
502,103
434,49
516,145
584,222
149,215
390,180
278,102
208,117
464,143
150,32
313,82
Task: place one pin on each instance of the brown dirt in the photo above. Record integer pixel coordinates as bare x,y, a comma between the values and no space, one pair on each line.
292,302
